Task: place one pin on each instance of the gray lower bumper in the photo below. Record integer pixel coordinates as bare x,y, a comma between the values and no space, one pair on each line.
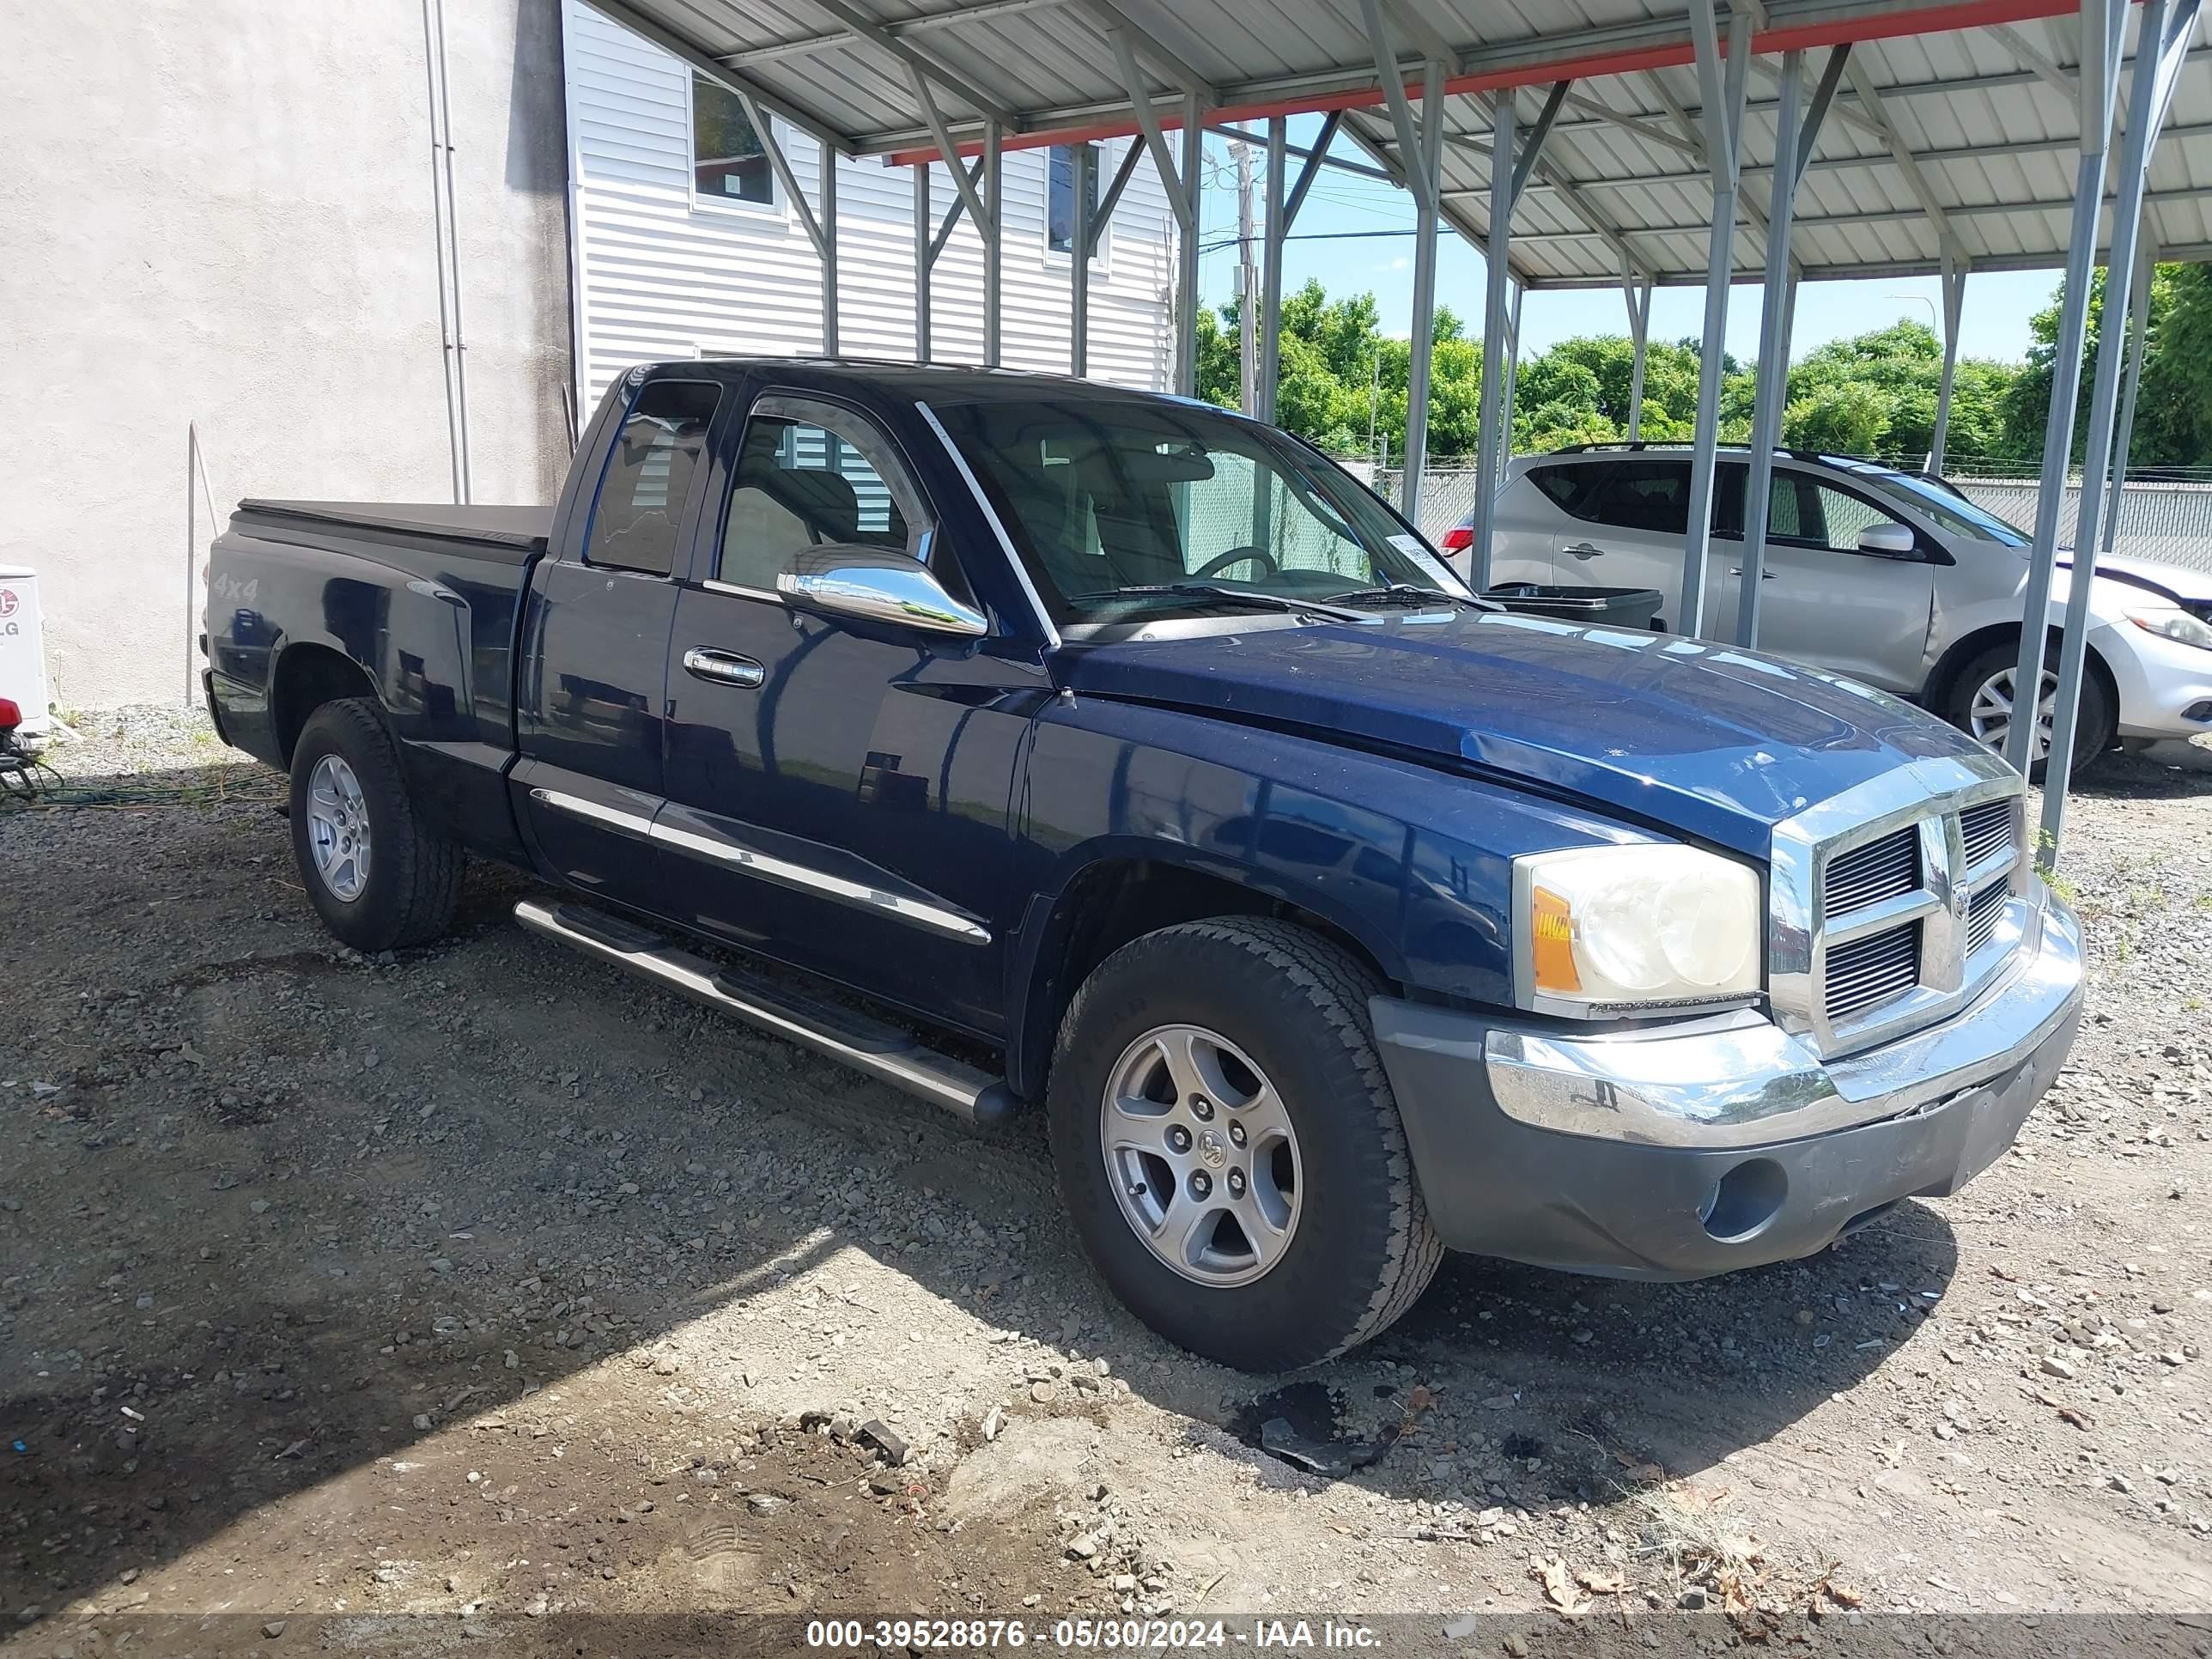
1719,1145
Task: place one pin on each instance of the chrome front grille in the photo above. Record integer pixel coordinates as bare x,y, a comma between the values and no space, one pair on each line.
1985,827
1983,912
1868,971
1880,869
1894,903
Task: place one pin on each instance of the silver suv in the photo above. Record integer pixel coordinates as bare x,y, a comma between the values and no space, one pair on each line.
1892,578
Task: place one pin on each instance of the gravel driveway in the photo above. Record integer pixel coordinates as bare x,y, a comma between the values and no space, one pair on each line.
484,1283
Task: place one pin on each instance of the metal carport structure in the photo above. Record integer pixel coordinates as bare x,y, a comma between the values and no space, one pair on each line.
1630,142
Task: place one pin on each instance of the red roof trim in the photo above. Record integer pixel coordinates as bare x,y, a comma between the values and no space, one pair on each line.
1884,26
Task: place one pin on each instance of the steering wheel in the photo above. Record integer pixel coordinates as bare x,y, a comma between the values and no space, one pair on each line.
1236,556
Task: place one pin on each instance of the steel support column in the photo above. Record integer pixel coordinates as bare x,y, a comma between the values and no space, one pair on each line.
924,259
994,264
827,247
1721,82
1512,378
1428,163
1079,260
2099,85
1796,131
1193,165
1954,302
2161,48
1637,290
2138,336
1496,277
1270,273
1420,157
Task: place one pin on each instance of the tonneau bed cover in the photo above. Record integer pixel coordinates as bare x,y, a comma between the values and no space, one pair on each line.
521,530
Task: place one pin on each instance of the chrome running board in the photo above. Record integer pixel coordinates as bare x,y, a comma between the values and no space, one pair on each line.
881,1050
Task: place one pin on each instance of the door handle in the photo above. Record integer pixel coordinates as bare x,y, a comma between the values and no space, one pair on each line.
1764,575
723,667
1585,550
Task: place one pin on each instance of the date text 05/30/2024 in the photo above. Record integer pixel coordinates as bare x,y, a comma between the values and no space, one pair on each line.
1088,1635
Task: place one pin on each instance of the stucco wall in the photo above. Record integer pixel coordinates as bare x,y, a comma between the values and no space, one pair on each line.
220,211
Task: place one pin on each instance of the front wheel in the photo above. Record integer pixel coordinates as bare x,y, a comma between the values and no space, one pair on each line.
1229,1149
1983,702
376,872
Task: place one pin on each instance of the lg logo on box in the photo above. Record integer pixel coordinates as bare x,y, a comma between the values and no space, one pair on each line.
8,601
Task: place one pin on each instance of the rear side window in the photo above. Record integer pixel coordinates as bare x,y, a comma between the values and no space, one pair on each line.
1569,486
649,476
1652,495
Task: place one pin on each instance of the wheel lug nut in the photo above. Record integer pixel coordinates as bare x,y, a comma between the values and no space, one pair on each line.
1201,1184
1201,1107
1235,1132
1237,1183
1179,1139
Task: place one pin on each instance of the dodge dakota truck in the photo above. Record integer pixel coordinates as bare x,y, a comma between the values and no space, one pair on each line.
1018,741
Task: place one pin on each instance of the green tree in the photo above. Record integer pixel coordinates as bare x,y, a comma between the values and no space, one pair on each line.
1344,385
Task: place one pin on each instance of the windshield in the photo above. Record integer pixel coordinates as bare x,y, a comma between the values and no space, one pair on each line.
1123,509
1948,509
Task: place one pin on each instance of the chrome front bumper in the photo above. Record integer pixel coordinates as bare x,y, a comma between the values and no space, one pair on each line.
1719,1144
1738,1080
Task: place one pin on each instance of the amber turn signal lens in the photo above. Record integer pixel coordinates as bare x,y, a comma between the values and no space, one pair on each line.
1553,953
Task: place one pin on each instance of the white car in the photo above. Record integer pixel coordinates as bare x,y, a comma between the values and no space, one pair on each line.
1894,579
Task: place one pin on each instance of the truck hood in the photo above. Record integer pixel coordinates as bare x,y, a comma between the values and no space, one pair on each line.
1703,739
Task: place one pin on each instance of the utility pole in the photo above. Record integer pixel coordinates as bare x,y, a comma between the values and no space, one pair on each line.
1247,286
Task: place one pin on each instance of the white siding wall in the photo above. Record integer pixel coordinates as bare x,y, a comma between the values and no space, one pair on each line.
659,277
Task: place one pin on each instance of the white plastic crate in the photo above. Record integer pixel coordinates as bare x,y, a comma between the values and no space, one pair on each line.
23,647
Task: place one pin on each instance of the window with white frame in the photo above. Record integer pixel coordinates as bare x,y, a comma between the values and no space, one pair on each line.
1060,197
729,163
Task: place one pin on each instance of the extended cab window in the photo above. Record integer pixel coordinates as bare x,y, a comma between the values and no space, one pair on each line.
809,474
649,475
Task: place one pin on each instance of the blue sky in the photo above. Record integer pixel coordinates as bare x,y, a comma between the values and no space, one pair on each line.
1994,325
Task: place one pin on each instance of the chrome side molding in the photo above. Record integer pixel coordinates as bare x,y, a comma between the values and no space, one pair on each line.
882,1051
782,871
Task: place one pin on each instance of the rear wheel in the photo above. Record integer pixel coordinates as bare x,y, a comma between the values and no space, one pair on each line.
1229,1146
1983,702
378,875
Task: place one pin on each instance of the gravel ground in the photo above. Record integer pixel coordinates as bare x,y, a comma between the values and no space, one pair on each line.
484,1283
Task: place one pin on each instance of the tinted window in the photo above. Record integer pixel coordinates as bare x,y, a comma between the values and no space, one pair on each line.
1652,495
649,475
1569,486
729,162
807,477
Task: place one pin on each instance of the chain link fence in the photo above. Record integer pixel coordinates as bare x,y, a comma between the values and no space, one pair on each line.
2169,522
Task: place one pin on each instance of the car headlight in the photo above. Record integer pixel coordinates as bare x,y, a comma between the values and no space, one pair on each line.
1619,930
2170,621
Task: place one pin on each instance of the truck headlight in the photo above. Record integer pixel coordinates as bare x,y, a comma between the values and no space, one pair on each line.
2170,621
1617,930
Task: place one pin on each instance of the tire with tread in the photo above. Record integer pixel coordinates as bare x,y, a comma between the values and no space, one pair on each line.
2094,730
415,875
1364,1250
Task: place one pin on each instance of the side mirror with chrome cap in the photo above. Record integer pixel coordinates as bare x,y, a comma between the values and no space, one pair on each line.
1888,541
870,584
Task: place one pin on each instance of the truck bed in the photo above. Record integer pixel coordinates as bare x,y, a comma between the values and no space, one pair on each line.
510,535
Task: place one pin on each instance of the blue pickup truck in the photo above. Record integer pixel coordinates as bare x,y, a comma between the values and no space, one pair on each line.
1021,741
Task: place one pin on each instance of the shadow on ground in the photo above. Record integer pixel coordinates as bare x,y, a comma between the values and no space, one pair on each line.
287,1211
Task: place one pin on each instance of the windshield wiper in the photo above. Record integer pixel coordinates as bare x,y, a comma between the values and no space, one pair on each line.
1408,593
1215,592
